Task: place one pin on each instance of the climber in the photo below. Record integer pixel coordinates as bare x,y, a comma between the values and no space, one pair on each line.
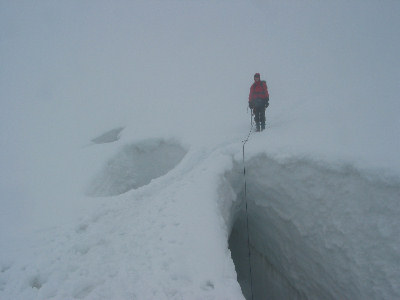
259,101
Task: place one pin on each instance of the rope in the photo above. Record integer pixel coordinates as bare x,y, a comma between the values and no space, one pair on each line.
247,215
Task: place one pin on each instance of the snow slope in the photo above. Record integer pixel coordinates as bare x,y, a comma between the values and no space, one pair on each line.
121,150
150,243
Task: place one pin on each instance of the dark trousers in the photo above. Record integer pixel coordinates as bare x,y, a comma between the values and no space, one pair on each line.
259,116
259,112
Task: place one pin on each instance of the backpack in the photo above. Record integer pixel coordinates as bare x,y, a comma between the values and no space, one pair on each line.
263,84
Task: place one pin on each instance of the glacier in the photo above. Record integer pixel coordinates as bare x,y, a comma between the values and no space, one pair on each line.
122,128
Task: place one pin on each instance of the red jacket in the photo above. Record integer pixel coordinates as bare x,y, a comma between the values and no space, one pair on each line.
258,90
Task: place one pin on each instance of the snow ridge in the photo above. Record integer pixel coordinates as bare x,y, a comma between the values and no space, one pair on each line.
163,228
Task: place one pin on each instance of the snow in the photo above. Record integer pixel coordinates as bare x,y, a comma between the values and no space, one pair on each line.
336,218
121,150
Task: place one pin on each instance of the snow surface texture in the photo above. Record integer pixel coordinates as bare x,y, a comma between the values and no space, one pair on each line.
155,247
314,230
121,126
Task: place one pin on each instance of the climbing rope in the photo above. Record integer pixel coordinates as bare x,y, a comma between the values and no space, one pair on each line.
247,215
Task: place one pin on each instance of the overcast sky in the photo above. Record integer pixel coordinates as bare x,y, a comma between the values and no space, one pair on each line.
106,51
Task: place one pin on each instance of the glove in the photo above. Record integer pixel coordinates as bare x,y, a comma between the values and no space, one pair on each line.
266,104
251,105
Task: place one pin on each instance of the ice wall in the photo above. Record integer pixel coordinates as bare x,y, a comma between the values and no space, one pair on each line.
317,231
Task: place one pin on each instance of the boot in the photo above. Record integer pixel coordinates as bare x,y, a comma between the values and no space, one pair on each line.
262,127
257,127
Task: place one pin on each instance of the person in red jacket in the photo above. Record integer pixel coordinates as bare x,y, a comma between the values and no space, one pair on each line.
259,101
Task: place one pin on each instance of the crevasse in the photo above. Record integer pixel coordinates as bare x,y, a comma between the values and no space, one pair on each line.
317,231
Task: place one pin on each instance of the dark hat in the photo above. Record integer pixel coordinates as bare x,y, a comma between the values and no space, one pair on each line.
257,75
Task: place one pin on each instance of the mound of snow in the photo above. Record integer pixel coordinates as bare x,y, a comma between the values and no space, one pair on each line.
136,165
109,136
